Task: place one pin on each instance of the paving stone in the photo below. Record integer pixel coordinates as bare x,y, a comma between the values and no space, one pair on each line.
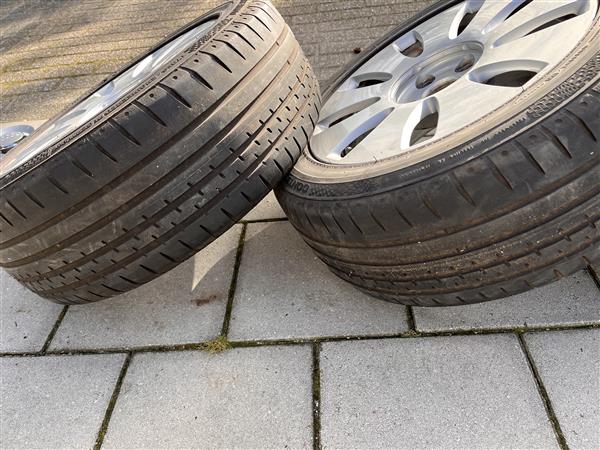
26,320
569,366
183,306
266,210
243,398
55,401
474,392
284,291
570,301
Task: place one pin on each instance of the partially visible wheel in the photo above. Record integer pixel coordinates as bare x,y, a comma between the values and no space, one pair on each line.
457,160
159,161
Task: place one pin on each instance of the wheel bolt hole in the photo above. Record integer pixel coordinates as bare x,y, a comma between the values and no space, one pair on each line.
465,64
424,80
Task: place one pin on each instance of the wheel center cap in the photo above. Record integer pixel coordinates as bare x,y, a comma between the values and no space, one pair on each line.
437,72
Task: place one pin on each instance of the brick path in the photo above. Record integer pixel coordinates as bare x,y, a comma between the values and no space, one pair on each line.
313,362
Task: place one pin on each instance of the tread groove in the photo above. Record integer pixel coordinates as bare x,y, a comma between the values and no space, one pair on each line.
80,166
260,20
427,202
324,224
34,199
173,93
126,134
232,47
244,38
217,60
582,124
338,224
199,78
15,209
498,173
529,157
460,188
6,220
266,12
251,29
101,149
355,224
379,224
57,185
556,141
149,113
403,216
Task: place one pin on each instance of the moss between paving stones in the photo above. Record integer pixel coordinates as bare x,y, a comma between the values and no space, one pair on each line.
218,345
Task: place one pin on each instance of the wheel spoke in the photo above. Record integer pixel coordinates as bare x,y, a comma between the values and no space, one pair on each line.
348,101
466,102
530,47
331,143
533,15
390,136
490,13
439,31
389,60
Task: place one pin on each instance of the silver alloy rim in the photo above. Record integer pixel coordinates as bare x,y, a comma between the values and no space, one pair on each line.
103,98
10,136
446,74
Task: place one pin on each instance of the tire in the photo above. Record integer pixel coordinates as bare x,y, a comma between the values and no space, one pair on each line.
171,166
512,206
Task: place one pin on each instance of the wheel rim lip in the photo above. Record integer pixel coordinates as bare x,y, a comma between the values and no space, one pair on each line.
103,98
340,84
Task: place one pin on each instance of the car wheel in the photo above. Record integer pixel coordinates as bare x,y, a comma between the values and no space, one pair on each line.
457,160
158,161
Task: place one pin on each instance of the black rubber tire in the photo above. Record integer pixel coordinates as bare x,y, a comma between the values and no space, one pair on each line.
163,173
515,206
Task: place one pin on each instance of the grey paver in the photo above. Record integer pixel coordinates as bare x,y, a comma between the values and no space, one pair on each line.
569,366
284,291
266,210
570,301
474,392
243,398
183,306
25,319
55,401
